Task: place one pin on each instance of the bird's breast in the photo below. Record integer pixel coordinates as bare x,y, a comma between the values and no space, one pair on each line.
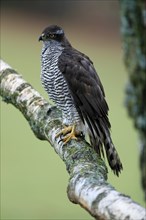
49,72
57,87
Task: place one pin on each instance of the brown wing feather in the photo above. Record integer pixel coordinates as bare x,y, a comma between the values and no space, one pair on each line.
86,88
89,99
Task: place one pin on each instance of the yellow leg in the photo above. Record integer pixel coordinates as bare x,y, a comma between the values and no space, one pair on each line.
69,133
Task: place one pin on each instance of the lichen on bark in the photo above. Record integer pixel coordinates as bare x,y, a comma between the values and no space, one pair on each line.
88,184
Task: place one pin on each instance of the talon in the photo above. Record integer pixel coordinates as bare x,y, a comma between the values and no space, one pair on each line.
64,131
68,132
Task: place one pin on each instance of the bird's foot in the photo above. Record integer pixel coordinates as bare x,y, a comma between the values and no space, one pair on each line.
69,133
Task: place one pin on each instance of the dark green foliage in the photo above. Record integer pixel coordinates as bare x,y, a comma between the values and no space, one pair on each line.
134,43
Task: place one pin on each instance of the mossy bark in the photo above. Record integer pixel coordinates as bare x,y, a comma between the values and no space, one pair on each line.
133,29
88,184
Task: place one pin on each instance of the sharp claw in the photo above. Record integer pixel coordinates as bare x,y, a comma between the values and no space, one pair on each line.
69,133
69,137
64,131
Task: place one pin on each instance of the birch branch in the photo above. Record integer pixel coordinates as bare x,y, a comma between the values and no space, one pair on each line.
87,185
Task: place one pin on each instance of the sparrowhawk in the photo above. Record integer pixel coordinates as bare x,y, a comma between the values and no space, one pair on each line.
72,82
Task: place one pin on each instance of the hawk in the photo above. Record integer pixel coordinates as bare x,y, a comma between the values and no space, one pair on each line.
72,82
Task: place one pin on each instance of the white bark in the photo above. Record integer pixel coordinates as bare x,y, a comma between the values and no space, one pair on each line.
88,173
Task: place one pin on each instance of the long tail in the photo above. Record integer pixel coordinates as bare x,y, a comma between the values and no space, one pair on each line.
112,156
111,153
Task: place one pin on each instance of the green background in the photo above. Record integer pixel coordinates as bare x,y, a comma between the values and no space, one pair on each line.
33,178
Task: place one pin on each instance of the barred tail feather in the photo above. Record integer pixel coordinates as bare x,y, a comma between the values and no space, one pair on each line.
111,153
112,156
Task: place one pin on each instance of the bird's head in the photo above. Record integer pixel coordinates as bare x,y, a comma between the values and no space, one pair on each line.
54,34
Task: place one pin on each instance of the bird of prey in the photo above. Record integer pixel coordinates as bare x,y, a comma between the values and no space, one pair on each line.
72,82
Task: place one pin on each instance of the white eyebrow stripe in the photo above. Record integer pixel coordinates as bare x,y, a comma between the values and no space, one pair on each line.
60,32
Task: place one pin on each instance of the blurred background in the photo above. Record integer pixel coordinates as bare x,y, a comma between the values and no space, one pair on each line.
33,178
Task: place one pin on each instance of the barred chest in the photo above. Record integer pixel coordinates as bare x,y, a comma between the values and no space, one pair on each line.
56,86
50,71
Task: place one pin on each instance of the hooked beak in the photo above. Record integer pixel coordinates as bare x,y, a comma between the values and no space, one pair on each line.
40,38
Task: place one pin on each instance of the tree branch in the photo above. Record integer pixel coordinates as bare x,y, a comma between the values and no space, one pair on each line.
88,173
